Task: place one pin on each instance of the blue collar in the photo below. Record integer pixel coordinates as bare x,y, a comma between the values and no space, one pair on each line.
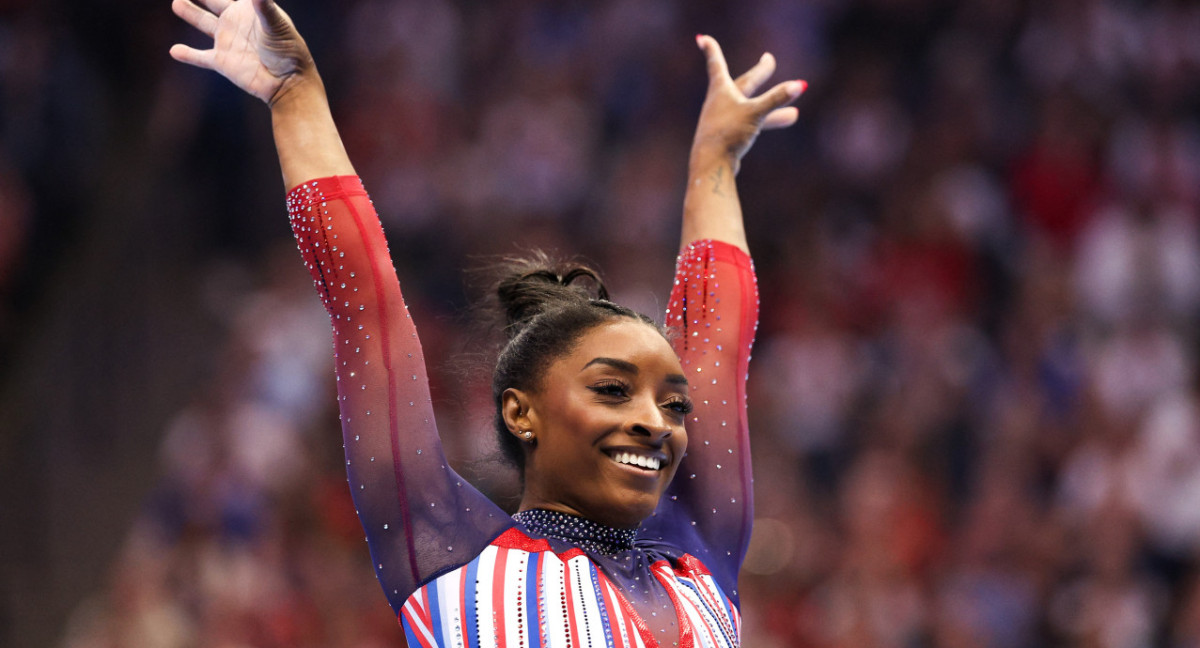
581,532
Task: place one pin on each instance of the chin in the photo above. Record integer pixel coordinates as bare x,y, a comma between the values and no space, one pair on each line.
629,505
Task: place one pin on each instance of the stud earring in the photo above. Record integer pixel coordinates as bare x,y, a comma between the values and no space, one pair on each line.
528,434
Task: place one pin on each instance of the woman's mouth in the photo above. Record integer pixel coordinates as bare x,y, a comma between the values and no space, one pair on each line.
643,461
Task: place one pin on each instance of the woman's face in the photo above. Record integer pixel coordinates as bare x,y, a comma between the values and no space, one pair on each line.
607,426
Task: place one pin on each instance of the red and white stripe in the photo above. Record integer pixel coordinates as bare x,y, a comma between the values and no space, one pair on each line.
566,607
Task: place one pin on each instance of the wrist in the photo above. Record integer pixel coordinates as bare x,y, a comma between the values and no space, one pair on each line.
306,137
704,162
298,92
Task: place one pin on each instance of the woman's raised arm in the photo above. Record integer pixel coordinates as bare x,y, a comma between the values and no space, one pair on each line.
420,517
256,46
714,312
730,121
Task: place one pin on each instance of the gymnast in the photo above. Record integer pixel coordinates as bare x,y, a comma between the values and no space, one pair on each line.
630,438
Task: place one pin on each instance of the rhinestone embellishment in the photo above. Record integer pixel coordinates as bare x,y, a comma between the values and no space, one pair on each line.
581,532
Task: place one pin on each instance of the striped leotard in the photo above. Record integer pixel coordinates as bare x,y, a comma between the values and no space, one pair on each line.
457,569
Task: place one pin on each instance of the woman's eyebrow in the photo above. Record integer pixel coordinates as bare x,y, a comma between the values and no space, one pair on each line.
630,368
620,365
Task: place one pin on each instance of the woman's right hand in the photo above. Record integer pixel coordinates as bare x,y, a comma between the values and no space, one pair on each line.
255,45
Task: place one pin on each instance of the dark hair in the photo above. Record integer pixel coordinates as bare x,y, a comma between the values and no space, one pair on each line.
548,305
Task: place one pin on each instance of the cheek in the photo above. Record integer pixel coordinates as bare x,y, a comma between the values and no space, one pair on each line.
586,419
679,445
680,440
579,425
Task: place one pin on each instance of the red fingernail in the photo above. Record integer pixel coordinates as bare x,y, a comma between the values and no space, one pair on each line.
698,37
803,85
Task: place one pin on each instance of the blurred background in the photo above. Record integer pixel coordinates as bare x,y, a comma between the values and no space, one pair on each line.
974,396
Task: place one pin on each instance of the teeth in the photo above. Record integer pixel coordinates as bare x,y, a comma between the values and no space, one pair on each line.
649,463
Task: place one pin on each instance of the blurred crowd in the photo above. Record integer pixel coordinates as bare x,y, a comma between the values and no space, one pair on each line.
974,394
40,181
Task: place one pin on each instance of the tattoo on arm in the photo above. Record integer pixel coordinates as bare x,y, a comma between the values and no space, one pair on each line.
718,178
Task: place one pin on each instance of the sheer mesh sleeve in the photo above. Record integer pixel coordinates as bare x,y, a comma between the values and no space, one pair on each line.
713,311
421,518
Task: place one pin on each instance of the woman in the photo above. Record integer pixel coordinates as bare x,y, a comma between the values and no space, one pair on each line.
619,539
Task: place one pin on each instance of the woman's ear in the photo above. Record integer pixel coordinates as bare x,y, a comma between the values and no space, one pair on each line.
515,408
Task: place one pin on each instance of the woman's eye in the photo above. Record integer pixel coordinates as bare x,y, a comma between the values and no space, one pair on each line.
679,406
610,388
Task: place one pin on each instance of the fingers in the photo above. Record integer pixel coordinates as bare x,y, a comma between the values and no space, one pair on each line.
217,6
195,16
781,118
717,68
750,82
193,56
778,97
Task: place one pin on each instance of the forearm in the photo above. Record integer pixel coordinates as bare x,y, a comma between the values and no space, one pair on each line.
306,138
711,209
730,120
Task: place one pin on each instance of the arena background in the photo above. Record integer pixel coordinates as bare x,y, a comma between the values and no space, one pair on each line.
973,397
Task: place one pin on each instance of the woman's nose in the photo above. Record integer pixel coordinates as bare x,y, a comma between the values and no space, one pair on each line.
650,421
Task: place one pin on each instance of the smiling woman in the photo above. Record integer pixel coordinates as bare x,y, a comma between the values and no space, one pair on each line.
609,432
636,508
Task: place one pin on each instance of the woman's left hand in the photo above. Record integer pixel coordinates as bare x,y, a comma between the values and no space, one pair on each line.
732,117
255,45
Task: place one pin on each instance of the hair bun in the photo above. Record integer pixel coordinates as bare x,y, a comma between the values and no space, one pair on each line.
534,285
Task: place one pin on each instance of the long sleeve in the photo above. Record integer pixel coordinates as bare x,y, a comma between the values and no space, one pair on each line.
713,314
421,518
